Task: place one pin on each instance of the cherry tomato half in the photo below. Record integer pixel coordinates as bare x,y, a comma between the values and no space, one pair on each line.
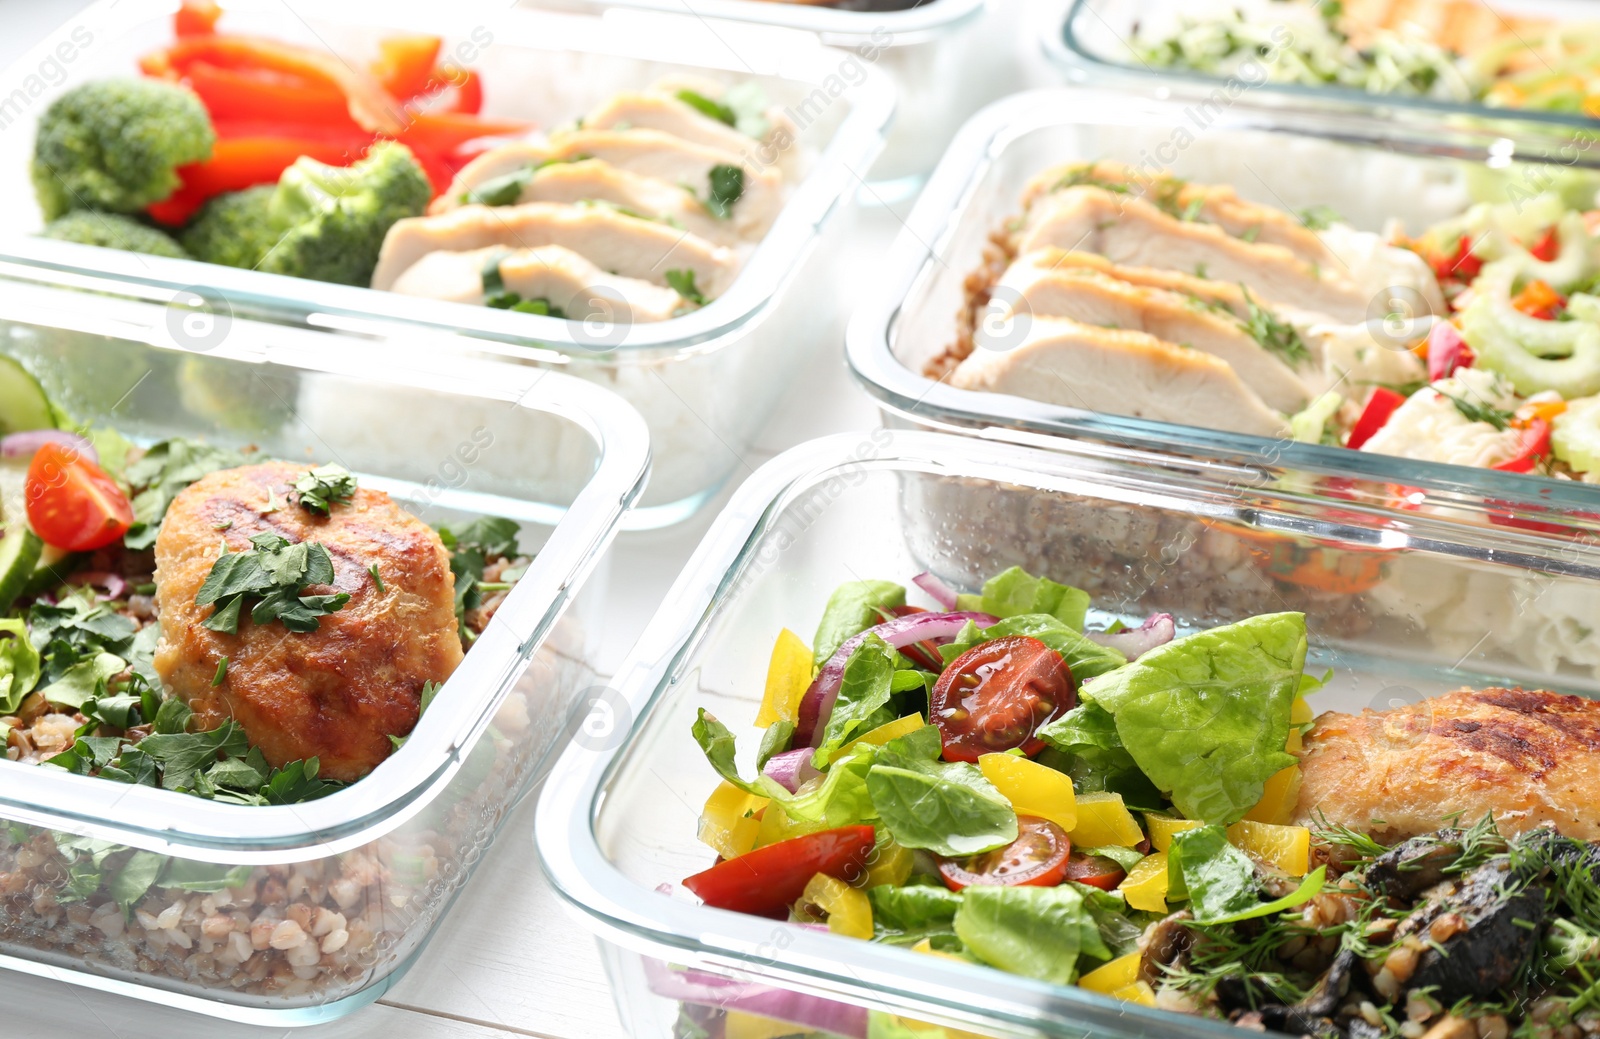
1037,858
766,881
72,503
1094,870
996,695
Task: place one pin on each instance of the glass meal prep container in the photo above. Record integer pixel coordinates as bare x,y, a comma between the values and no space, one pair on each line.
1091,42
1426,175
1398,606
946,58
704,381
173,898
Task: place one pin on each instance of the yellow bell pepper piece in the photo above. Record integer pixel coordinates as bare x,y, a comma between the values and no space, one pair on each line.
1119,973
740,1025
1299,714
1032,788
882,734
925,1030
788,675
1145,886
777,826
1139,992
1162,829
1103,819
1287,847
1279,799
728,823
849,912
891,863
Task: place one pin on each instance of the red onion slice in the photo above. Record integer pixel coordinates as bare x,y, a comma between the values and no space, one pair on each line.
818,702
791,768
24,444
942,593
114,584
800,1008
1446,350
1157,630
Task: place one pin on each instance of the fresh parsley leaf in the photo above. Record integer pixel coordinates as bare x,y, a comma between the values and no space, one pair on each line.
157,477
1319,218
471,547
506,189
324,487
707,107
682,282
274,572
183,755
1275,335
727,187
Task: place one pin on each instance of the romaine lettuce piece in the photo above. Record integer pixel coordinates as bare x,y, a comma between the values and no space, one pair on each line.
853,608
1038,932
1015,591
946,808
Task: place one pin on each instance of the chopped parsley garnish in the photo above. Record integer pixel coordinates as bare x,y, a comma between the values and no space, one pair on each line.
506,189
727,187
497,296
1472,411
1192,211
324,487
682,282
1274,334
1200,271
1319,218
1251,233
429,691
377,579
222,672
471,547
274,573
157,477
705,106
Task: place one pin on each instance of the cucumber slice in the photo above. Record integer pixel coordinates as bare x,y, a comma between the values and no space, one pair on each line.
23,402
52,569
19,556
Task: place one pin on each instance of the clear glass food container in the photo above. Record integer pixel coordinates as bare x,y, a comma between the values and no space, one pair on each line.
705,381
1367,173
1090,42
1399,607
302,913
946,59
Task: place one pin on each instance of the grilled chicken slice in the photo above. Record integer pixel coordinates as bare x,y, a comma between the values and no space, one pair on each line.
1061,361
496,162
1094,298
1528,756
1209,203
337,693
652,153
663,112
1223,294
1130,231
570,283
612,241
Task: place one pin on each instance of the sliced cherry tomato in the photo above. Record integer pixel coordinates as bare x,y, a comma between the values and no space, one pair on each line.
1037,858
1533,445
996,695
1380,406
1094,870
766,881
72,503
1460,265
924,654
1547,247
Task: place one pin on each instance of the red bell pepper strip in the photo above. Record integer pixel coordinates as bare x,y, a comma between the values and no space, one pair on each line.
1459,266
469,92
1547,247
1538,300
1447,351
241,162
405,64
765,882
196,18
268,96
1533,445
1380,406
439,169
445,132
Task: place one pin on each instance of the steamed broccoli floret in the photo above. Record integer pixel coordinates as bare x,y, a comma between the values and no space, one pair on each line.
116,144
331,220
235,229
114,231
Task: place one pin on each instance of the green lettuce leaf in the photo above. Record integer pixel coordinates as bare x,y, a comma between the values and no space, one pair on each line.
1038,932
1086,658
907,915
945,807
19,665
839,798
80,682
1099,761
1015,591
853,608
865,688
1219,878
1206,716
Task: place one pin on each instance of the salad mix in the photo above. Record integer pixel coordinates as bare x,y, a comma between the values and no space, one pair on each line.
992,780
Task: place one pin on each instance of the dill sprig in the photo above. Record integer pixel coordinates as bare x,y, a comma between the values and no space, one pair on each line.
1273,333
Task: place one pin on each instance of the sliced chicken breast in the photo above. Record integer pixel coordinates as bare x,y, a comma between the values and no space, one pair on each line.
1094,298
664,112
1130,231
1215,204
1118,371
612,241
572,285
497,162
1222,294
652,153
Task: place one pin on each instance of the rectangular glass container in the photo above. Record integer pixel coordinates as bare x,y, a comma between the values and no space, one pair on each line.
1426,173
1089,42
1398,607
705,381
351,884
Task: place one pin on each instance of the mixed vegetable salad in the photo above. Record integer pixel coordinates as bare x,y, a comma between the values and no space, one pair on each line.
83,686
1447,50
993,781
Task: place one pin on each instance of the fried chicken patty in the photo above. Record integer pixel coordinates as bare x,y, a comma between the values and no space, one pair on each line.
1529,756
337,693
